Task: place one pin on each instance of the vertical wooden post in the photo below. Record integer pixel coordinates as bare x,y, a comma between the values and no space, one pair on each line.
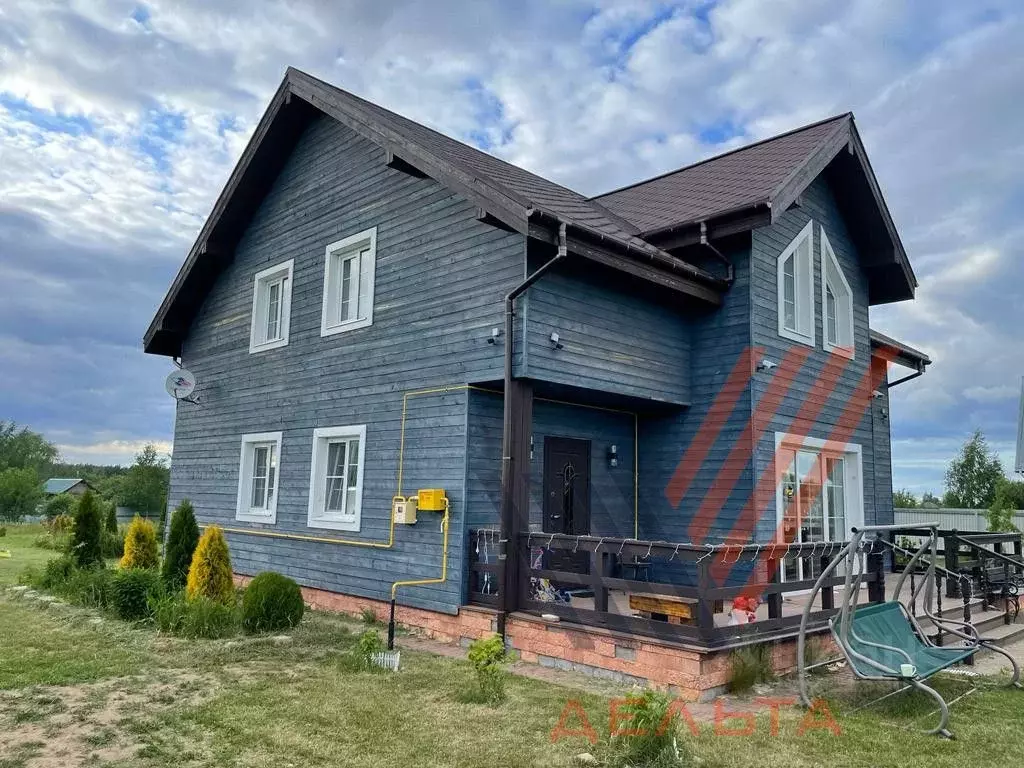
966,591
951,549
775,600
828,597
876,566
705,605
598,570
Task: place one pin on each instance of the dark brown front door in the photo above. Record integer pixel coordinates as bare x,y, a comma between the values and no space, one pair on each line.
567,497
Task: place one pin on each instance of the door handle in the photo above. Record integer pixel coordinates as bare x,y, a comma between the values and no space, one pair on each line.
555,517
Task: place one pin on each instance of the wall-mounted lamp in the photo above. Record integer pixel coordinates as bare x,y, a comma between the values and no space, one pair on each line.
613,455
554,340
531,447
885,413
495,333
766,365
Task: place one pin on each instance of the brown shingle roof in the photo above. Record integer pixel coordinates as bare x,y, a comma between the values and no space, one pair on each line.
737,179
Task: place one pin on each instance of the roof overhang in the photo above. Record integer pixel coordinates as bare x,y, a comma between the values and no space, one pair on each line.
898,352
843,160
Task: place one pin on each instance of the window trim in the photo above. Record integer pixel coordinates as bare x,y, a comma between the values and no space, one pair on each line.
367,239
321,438
243,511
807,295
840,349
261,277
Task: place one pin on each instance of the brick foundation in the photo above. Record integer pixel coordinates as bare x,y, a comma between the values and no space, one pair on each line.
686,672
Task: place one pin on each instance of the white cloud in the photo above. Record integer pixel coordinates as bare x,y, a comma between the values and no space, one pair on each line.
591,94
121,452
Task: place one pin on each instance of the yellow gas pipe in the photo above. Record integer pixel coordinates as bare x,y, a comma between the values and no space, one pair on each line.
419,582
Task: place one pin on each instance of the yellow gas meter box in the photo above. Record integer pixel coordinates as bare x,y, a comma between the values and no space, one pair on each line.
431,499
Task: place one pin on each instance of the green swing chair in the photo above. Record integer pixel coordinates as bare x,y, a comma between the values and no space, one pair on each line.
883,641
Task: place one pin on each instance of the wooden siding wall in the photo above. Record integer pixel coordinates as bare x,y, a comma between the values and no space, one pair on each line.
440,279
719,339
613,341
611,489
818,204
882,455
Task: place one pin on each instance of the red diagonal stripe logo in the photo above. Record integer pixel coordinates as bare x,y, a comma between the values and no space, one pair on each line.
711,426
742,449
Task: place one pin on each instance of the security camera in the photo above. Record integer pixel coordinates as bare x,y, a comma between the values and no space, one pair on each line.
766,365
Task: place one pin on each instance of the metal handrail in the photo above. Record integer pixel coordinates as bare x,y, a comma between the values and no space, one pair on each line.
955,535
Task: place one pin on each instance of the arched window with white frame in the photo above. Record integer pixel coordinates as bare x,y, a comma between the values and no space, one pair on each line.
836,302
796,288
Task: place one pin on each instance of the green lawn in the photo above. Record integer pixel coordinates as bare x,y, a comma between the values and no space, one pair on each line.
18,542
80,689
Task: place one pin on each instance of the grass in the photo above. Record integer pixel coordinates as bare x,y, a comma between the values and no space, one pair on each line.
18,541
106,693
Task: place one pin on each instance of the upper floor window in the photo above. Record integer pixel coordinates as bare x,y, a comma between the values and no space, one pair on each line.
348,283
796,288
271,307
836,302
257,477
336,477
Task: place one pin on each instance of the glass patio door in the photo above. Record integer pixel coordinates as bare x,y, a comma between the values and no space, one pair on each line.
814,507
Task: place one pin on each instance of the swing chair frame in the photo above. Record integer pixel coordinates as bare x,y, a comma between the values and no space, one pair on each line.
862,655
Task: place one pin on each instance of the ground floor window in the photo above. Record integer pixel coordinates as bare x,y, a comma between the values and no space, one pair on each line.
818,499
257,477
336,477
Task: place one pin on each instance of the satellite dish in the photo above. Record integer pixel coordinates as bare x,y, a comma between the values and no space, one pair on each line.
180,384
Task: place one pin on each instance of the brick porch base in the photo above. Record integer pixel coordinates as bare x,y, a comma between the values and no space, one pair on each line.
686,672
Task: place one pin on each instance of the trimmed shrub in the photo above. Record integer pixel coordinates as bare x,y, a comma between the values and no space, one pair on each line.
209,575
271,602
201,617
86,546
181,546
132,590
140,547
489,657
111,517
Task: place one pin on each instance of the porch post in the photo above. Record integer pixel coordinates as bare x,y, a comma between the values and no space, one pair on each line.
515,492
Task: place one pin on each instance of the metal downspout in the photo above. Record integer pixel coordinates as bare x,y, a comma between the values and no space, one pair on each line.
507,547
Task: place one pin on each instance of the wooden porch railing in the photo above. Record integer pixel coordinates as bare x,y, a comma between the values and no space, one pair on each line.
701,580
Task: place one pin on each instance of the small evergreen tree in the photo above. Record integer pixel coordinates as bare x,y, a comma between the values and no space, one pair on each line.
140,548
111,517
210,572
86,540
181,546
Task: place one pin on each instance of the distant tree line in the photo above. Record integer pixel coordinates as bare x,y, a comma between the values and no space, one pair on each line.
27,459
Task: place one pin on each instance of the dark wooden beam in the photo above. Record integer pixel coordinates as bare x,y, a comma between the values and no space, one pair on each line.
492,220
395,162
632,265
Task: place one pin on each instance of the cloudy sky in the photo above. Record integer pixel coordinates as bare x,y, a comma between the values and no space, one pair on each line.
120,121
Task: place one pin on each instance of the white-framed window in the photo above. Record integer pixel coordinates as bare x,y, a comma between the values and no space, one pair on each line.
796,288
349,269
836,303
271,307
336,477
820,497
258,477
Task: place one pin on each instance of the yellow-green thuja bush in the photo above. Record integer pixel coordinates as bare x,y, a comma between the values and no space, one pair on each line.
210,572
140,547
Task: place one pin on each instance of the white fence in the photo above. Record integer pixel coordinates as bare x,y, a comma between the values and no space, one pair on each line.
960,519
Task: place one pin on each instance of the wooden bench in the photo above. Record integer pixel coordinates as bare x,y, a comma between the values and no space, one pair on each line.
674,610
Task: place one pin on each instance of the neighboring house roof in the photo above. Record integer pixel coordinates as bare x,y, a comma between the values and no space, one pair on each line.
633,229
61,484
901,353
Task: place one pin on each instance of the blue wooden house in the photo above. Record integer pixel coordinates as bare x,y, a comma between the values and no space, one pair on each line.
603,388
